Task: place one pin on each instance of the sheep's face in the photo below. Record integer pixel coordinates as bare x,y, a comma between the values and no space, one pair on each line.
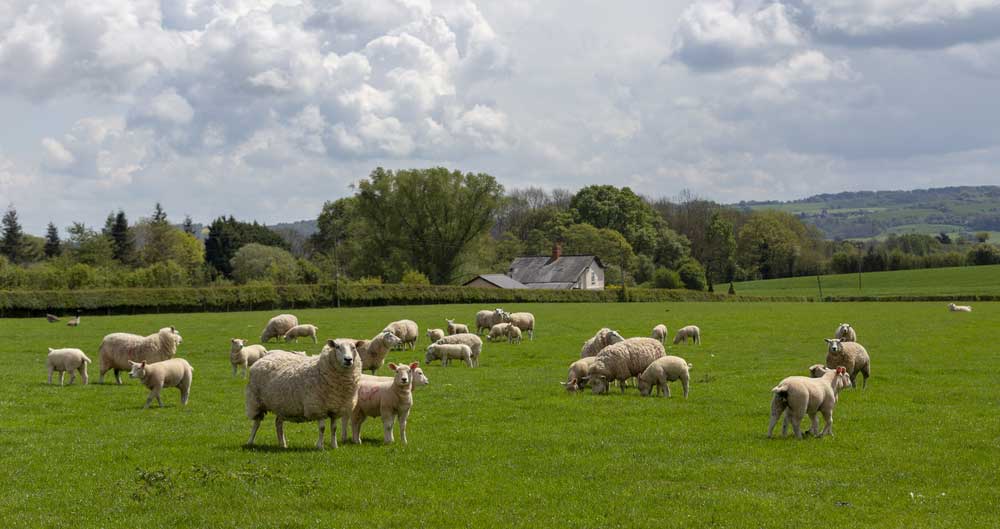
391,339
404,374
419,378
598,385
817,370
238,343
645,387
429,357
951,306
572,384
344,354
833,345
138,370
614,337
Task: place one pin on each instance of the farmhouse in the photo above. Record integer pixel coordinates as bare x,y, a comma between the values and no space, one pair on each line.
555,271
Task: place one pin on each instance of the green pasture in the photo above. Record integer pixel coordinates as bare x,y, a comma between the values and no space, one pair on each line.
955,281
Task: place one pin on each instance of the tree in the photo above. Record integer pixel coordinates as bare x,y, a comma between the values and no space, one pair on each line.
692,275
88,246
12,244
53,246
721,249
620,209
608,245
159,216
258,262
664,277
227,235
982,236
767,247
121,238
983,254
188,225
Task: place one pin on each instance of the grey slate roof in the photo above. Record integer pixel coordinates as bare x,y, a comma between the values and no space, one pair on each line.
499,280
566,269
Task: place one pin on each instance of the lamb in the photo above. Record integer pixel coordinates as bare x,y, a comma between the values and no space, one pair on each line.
801,395
486,319
385,397
243,355
278,326
959,308
513,334
690,331
622,361
374,351
119,349
602,339
300,389
663,370
434,335
67,360
522,320
419,378
473,341
172,373
660,333
447,352
301,331
456,328
405,330
845,333
497,332
852,356
579,373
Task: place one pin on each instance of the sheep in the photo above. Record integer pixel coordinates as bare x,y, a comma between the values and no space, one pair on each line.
579,373
118,349
243,355
446,352
959,308
690,331
405,330
473,341
602,339
419,378
386,397
622,361
278,326
75,322
71,360
301,331
435,334
456,328
486,319
846,333
52,318
513,334
172,373
663,370
660,333
850,355
300,389
522,320
374,351
497,332
803,395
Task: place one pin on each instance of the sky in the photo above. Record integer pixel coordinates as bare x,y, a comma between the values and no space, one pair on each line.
264,109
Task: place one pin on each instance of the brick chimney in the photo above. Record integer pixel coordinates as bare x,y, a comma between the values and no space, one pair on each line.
556,252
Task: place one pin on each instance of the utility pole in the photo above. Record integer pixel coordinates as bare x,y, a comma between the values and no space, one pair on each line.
861,258
820,283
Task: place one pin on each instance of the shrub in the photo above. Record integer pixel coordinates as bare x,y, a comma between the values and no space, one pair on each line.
256,261
692,275
413,277
984,254
667,278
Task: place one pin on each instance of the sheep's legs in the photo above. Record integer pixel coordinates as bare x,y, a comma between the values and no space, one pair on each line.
796,425
777,407
666,389
118,377
343,426
828,417
322,429
402,425
72,377
387,421
50,375
686,383
356,421
253,431
154,393
814,425
186,391
279,428
62,376
333,431
84,376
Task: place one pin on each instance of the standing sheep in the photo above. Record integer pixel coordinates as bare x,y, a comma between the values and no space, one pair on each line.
845,333
405,330
299,389
602,339
474,342
67,360
690,331
278,326
448,351
513,334
486,319
804,395
301,331
172,373
387,398
660,333
579,373
497,332
959,308
663,370
852,356
118,349
374,351
456,328
243,355
435,334
522,320
622,361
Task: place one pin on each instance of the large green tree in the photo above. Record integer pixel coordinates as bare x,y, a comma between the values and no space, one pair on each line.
53,246
620,209
258,262
227,235
720,251
12,243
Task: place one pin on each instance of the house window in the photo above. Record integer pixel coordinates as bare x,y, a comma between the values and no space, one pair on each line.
593,277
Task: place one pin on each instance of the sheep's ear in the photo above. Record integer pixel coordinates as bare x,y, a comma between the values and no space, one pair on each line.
131,363
358,343
143,364
414,365
173,329
828,340
392,366
51,349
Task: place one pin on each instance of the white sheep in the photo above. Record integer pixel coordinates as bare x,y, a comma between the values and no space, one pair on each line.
299,389
689,331
456,328
663,370
486,319
301,331
522,320
418,379
852,356
374,351
579,373
474,342
513,334
959,308
448,351
385,397
660,333
278,326
435,334
172,373
405,330
602,339
118,349
243,355
67,360
622,361
803,395
846,333
497,332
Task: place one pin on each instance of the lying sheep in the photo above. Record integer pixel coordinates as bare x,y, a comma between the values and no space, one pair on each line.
298,389
690,331
579,373
278,326
456,328
497,332
845,333
959,308
622,361
447,352
374,351
602,339
385,397
660,333
803,395
405,330
301,331
172,373
473,341
435,334
51,318
522,320
67,360
850,355
513,334
486,319
119,349
663,370
243,355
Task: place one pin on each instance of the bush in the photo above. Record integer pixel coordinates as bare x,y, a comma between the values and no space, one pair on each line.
667,278
413,277
984,254
692,275
257,262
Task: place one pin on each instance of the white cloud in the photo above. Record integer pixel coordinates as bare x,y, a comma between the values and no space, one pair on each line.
56,155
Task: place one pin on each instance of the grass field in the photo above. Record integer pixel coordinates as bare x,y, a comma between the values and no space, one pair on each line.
965,280
503,445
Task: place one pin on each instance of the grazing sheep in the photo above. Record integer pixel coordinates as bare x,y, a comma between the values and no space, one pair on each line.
690,331
473,341
419,378
75,322
385,397
456,328
497,332
243,355
602,339
513,334
301,331
299,389
448,351
522,320
663,370
405,330
579,373
486,319
374,351
845,333
172,373
67,360
852,356
959,308
660,333
804,395
435,334
278,326
119,349
622,361
52,318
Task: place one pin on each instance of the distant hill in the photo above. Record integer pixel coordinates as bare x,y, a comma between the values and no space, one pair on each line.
958,211
305,228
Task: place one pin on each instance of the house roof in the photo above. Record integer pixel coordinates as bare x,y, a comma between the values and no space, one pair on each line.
565,269
499,280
